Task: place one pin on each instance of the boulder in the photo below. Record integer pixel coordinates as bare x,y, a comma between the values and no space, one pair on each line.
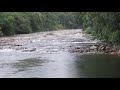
93,47
32,49
29,50
17,45
107,49
87,50
113,53
103,48
118,52
77,48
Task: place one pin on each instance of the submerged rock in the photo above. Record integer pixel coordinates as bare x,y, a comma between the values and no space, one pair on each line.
32,49
29,50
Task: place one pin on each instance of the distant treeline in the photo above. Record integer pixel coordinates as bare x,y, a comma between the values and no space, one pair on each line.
12,23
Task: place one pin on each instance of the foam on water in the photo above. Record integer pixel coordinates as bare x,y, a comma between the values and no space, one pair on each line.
7,50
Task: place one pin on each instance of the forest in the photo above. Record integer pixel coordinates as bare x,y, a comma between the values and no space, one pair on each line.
102,25
12,23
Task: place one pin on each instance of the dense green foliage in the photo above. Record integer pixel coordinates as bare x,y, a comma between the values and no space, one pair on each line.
26,22
104,25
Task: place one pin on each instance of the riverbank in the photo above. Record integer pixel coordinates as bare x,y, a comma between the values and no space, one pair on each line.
77,41
104,47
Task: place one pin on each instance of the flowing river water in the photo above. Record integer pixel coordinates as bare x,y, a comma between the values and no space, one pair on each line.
49,55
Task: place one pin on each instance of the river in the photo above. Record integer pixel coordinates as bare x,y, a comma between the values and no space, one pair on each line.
49,55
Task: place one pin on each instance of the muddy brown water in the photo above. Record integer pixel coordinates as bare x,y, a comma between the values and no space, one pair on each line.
46,55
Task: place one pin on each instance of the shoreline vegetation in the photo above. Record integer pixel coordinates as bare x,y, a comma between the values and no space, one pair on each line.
103,25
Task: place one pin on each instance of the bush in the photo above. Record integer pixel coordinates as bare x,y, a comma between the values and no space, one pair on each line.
88,30
22,24
1,33
6,24
104,25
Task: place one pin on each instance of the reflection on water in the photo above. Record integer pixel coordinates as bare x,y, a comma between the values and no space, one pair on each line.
98,66
54,66
24,65
64,65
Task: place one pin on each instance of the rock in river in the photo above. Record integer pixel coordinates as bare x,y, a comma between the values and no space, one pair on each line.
93,47
118,52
